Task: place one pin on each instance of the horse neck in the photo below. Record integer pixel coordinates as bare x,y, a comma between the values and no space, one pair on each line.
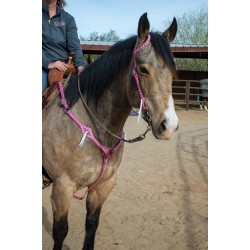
112,111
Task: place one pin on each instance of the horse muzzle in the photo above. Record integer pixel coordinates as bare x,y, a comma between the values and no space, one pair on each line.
168,125
165,131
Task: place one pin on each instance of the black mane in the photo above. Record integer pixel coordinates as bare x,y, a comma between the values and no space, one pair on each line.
99,75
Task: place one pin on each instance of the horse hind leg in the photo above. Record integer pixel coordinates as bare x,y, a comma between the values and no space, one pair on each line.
95,200
61,195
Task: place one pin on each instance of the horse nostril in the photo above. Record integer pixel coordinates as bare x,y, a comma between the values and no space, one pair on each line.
162,127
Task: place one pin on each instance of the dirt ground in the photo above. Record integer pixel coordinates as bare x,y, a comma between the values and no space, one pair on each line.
160,201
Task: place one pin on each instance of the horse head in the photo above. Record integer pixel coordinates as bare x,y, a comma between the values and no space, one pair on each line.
155,69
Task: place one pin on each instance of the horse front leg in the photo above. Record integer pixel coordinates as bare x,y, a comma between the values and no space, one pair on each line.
61,194
95,200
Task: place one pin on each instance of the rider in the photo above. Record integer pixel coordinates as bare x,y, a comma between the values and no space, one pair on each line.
59,37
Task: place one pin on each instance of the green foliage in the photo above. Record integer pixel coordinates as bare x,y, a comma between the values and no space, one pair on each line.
192,29
110,36
192,64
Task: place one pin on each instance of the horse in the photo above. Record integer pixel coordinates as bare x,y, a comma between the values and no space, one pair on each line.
134,73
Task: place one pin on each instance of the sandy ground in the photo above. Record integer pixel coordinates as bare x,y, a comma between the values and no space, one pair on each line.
160,201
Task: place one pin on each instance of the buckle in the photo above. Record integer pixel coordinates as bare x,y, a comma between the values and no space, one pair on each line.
66,110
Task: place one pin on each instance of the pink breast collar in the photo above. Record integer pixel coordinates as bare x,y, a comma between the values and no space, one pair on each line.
87,132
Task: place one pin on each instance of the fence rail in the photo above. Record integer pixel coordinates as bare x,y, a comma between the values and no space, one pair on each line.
188,91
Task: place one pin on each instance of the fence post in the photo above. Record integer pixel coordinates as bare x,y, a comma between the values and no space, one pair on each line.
187,94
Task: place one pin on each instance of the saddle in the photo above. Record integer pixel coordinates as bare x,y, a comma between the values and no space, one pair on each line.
54,77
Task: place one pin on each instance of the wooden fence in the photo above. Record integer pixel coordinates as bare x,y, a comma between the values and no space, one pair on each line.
187,91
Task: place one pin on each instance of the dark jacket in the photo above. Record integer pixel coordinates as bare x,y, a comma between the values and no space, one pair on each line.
59,38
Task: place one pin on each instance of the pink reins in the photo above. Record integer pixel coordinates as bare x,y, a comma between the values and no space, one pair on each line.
87,131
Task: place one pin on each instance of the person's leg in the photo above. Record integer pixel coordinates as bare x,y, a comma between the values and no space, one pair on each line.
44,80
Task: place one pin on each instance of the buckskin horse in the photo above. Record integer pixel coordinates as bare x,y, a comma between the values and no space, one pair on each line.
93,108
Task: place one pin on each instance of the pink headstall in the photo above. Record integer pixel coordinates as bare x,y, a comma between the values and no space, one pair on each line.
134,71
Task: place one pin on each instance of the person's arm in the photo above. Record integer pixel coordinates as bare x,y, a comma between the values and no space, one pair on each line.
46,65
45,62
73,44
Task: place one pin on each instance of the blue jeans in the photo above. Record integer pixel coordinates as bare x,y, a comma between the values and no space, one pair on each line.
44,80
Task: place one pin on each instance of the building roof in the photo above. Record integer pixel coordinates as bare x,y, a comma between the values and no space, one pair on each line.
179,50
190,50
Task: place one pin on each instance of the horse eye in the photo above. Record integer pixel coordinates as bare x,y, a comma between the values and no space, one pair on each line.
143,70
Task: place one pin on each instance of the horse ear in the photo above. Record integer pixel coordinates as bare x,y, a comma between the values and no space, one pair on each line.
143,28
170,33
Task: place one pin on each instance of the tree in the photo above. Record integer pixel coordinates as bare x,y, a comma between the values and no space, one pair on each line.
192,29
110,36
